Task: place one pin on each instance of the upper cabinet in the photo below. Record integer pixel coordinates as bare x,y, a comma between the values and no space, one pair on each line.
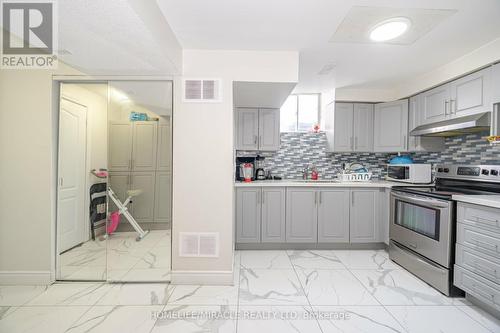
420,143
391,126
495,119
349,127
468,95
257,129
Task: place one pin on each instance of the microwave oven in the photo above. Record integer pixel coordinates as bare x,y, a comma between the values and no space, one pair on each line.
410,173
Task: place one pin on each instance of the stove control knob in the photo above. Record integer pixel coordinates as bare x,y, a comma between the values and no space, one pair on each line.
494,172
485,172
440,169
446,170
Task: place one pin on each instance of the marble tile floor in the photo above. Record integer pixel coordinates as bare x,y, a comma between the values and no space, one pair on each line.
119,258
273,291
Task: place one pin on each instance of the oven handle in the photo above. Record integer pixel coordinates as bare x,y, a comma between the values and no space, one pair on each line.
425,201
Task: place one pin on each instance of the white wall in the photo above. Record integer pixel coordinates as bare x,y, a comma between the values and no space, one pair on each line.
203,156
27,182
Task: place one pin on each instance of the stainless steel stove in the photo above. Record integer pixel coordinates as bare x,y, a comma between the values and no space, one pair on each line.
423,225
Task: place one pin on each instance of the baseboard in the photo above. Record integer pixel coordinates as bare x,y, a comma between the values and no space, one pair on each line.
26,278
310,246
213,278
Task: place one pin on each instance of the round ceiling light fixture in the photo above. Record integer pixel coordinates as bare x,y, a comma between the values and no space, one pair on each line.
390,29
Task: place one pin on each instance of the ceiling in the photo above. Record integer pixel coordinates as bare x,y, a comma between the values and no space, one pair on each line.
308,26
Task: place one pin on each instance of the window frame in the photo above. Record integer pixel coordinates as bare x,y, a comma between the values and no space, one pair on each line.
296,130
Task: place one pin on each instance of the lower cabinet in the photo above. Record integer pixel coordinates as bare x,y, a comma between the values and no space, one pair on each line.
333,216
260,215
273,215
163,197
365,216
143,205
301,215
309,215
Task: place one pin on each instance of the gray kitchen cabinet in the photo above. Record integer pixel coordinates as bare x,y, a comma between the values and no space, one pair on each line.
471,94
391,126
333,216
119,146
364,216
269,129
301,215
144,147
420,143
343,127
434,107
258,129
163,197
363,127
164,151
248,215
352,127
247,129
273,215
495,117
143,205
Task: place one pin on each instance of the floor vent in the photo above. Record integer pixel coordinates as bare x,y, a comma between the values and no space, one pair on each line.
201,244
202,90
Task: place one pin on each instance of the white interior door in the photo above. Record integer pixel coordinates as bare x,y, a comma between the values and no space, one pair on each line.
71,174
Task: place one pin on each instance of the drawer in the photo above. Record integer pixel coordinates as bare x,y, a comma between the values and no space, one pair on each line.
477,286
478,239
479,263
480,216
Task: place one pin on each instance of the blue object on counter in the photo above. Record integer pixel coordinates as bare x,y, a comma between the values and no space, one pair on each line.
405,159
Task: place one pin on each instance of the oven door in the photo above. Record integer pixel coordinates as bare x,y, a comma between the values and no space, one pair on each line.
422,224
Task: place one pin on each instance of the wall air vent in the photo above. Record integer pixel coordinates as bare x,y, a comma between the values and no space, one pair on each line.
202,90
199,244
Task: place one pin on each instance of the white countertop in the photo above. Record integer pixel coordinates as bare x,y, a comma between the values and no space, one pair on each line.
484,200
322,183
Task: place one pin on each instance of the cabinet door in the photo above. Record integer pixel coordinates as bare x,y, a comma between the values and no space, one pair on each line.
343,139
435,104
333,216
247,129
164,153
420,143
471,94
363,127
269,129
391,126
273,214
364,216
119,146
301,215
248,215
163,197
144,145
143,204
120,184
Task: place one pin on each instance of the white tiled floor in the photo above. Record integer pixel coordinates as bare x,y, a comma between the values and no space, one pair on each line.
119,258
275,291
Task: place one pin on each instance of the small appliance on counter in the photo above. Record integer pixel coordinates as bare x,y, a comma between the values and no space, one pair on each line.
247,172
260,174
404,159
410,173
240,161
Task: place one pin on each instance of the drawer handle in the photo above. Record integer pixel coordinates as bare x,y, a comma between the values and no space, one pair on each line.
483,294
484,219
485,245
486,270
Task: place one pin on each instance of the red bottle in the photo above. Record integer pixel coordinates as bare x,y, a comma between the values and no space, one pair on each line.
314,174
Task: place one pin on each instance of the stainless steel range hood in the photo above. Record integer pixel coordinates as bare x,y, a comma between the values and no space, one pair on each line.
453,127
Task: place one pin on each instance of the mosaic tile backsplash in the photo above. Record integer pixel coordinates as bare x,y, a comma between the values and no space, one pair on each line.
298,150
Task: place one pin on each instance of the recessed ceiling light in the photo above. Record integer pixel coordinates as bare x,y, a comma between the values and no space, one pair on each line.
390,29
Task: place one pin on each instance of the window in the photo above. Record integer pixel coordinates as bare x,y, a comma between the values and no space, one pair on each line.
299,113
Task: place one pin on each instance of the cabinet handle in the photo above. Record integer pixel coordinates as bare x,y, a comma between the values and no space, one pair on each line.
355,143
484,219
446,108
453,107
485,245
351,142
263,197
315,198
61,182
483,294
352,199
255,139
257,202
260,141
486,270
320,198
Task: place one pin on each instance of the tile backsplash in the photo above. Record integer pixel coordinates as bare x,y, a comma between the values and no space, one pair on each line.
299,150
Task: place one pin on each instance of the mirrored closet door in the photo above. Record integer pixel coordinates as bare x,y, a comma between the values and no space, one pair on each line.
115,181
139,164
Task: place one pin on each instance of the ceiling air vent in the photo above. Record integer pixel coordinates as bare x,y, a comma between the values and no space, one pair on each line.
202,90
201,244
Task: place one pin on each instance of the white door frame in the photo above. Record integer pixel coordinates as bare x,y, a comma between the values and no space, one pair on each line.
56,92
